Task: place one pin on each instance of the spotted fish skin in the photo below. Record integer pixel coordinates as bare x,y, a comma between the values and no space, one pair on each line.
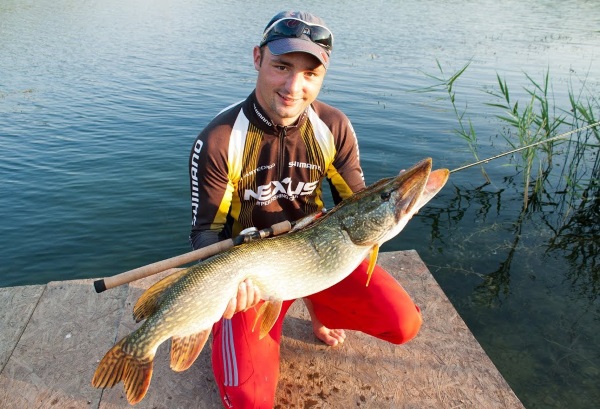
185,305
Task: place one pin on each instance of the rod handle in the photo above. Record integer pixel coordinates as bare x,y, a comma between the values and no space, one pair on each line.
154,268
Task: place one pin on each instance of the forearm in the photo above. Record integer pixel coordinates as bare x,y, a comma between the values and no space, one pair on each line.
203,238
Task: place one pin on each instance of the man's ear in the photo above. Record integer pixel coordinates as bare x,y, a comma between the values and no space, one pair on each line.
257,56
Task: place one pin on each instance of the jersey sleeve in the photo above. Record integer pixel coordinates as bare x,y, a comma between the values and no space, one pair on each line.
345,174
210,186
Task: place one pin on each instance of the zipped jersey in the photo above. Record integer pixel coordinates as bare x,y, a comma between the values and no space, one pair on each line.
247,172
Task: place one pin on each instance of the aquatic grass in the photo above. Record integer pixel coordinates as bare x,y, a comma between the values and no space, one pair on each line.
529,124
465,129
583,107
579,185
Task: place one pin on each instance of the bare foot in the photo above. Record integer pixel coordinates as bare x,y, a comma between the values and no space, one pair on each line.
331,337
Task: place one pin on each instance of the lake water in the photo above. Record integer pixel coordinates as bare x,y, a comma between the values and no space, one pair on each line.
100,102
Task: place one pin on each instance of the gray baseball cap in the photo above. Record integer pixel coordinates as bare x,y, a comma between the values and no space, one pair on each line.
298,31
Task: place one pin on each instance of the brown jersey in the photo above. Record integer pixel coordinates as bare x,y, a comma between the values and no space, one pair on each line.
245,171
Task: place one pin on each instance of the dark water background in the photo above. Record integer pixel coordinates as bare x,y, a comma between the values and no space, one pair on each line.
100,102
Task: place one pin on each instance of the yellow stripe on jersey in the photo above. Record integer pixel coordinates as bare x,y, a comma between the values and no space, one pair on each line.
339,182
237,141
326,142
315,156
242,212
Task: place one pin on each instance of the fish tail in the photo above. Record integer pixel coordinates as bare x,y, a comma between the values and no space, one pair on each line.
117,365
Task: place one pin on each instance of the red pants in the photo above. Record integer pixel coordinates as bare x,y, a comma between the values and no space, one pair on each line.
247,369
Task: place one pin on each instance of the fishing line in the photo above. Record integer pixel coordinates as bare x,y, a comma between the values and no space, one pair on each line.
554,138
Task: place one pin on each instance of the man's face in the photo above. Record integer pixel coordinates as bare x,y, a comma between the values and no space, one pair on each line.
287,83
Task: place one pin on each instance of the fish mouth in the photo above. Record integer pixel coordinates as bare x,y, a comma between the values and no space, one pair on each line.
410,185
435,182
419,185
413,189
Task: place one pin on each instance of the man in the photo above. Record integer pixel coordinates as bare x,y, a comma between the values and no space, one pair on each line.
263,161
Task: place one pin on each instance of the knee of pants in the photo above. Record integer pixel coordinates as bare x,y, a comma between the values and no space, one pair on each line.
407,326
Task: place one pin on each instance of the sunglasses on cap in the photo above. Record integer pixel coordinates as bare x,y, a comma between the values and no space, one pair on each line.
293,27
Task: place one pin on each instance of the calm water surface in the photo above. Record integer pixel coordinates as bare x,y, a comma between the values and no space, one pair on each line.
101,100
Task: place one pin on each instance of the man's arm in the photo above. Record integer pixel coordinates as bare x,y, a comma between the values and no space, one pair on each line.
210,187
345,176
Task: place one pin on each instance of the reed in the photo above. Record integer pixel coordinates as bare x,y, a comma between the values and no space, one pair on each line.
465,129
530,123
536,119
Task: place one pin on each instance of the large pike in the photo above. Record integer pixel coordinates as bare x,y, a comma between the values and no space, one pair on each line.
185,305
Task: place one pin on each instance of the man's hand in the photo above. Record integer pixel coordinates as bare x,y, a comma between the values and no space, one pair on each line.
247,297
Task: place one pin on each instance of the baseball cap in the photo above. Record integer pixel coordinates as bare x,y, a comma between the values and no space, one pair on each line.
298,31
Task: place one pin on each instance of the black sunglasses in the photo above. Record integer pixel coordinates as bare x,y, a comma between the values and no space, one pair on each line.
293,27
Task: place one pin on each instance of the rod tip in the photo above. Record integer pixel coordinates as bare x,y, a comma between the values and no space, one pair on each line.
100,286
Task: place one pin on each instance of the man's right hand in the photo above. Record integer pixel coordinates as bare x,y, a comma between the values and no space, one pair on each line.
247,296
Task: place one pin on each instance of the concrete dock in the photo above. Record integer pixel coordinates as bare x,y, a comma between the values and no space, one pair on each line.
52,337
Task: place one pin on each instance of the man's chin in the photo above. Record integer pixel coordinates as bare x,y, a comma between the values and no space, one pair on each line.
287,114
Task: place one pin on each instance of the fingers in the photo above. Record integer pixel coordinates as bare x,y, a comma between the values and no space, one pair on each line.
253,294
247,296
242,297
230,310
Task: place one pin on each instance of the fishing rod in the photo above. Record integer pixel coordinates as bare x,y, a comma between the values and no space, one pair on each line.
554,138
245,236
204,252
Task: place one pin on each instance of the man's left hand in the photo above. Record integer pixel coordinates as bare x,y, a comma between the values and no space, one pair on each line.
247,296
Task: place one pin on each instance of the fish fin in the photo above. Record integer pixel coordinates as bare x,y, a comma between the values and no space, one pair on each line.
372,262
270,312
149,301
117,366
185,350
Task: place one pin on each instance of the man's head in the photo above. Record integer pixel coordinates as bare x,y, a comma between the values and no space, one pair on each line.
297,31
291,61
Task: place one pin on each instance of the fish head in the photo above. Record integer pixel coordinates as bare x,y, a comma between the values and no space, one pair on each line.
380,211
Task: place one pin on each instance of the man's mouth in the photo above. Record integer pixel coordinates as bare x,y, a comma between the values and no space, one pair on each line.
289,100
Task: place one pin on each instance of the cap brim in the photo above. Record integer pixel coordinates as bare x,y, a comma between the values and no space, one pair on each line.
292,45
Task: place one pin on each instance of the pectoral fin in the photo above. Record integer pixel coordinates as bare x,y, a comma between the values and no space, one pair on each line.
185,350
372,262
269,312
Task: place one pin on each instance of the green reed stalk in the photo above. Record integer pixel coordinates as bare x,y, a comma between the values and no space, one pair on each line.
465,130
534,122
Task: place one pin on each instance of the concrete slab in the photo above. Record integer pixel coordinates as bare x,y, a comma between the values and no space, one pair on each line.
17,304
52,362
51,356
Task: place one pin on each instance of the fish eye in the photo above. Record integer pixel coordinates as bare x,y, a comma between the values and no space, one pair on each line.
386,196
